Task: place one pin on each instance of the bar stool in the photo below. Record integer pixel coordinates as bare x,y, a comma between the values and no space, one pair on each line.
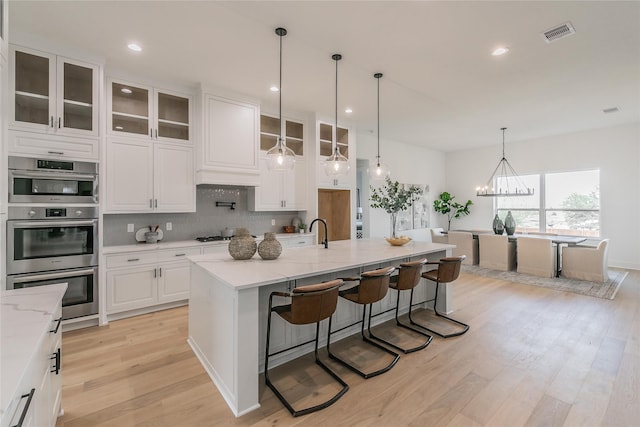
448,270
372,287
309,304
407,278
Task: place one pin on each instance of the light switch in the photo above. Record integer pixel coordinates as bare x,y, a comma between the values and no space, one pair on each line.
129,228
169,226
273,222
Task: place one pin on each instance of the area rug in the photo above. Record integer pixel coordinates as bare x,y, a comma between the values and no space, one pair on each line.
606,290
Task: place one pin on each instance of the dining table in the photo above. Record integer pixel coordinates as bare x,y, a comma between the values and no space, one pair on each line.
557,239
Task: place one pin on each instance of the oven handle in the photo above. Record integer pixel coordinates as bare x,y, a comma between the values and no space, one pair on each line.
25,279
45,223
50,175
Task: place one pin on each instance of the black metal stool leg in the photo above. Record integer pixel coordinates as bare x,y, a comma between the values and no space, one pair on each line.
435,310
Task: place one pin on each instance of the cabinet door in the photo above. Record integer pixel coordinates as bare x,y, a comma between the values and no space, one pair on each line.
231,135
77,97
129,177
175,189
129,109
295,187
33,86
173,281
172,114
269,195
128,289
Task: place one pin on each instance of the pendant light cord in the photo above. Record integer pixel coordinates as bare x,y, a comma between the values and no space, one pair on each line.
377,76
280,89
337,58
503,129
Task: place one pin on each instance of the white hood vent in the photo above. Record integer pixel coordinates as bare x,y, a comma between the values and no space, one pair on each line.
558,32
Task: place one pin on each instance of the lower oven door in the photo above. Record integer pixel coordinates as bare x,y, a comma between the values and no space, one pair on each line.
81,297
45,245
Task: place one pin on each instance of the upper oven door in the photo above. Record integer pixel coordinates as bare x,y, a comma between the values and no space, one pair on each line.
51,245
52,187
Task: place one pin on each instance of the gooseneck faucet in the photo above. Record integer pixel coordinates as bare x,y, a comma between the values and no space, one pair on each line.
326,231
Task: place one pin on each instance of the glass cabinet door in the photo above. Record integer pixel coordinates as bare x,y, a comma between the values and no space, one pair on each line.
130,109
78,97
172,116
33,90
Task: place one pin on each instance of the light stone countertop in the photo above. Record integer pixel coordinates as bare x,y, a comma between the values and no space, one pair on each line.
135,247
25,321
309,261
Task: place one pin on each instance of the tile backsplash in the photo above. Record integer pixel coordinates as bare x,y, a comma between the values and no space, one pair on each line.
208,220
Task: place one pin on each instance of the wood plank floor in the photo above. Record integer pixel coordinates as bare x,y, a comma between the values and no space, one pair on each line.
533,357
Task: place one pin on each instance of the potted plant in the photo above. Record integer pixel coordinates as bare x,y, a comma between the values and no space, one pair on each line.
393,198
446,205
302,227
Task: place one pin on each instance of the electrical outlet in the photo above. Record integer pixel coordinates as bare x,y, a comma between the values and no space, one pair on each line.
169,226
129,228
273,222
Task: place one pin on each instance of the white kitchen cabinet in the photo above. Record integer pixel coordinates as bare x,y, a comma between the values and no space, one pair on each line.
142,280
280,191
145,112
228,149
149,177
38,394
325,148
4,26
52,94
296,240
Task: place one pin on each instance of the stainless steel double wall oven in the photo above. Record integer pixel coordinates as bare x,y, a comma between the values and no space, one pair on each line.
52,230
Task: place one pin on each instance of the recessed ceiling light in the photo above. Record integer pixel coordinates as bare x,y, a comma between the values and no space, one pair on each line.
274,88
348,111
500,51
126,90
135,47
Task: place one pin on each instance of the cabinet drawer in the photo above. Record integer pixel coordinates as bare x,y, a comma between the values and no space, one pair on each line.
176,254
294,242
131,259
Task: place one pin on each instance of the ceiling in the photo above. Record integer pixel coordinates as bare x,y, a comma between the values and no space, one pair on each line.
441,88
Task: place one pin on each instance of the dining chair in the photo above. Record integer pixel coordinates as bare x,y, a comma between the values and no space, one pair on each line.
437,235
497,252
536,256
586,263
465,245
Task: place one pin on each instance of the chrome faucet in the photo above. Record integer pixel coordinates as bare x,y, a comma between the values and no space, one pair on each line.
326,231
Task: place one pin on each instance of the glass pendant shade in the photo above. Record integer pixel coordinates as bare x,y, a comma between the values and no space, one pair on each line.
336,164
378,171
280,158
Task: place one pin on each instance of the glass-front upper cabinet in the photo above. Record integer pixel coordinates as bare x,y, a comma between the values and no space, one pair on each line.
326,140
142,111
53,94
293,133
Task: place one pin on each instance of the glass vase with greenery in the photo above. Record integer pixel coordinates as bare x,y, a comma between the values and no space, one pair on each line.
446,205
394,197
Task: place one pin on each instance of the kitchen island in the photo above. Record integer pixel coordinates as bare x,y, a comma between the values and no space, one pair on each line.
228,305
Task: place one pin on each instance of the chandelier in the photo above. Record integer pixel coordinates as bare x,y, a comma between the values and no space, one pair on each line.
504,182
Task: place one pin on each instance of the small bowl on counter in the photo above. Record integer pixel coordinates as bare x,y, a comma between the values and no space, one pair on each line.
289,228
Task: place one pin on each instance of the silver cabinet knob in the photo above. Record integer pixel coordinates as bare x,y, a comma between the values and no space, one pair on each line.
32,213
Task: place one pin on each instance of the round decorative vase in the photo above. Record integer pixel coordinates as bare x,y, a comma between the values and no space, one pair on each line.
498,226
242,245
269,248
510,224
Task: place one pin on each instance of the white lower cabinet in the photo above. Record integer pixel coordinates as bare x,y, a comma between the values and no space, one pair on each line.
39,395
141,280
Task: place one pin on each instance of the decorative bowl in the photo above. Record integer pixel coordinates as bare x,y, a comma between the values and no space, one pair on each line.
289,228
398,241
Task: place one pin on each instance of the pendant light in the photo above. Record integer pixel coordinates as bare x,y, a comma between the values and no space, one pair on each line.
504,182
280,158
378,171
336,164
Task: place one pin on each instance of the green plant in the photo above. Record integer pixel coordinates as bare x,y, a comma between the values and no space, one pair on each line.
393,198
302,226
452,209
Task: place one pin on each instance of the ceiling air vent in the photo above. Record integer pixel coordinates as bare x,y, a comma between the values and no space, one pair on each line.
611,110
558,32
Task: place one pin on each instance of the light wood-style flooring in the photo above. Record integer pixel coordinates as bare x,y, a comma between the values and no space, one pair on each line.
533,357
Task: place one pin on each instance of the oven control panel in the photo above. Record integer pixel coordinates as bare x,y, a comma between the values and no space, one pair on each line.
41,212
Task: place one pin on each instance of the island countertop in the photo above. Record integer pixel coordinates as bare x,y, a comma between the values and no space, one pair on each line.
297,263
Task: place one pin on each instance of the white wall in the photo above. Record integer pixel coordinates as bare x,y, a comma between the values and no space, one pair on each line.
615,151
408,164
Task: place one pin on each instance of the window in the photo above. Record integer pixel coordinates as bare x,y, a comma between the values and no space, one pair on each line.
565,203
